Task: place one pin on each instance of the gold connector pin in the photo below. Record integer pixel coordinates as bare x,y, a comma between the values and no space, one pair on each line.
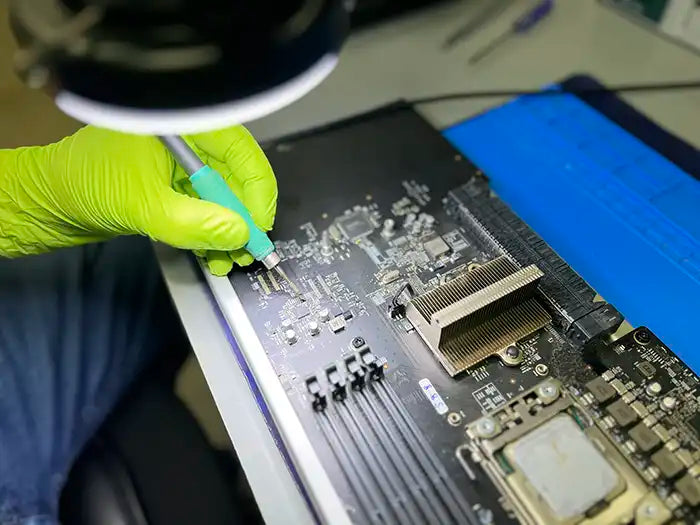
293,286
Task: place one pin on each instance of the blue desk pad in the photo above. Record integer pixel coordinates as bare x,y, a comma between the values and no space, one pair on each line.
624,216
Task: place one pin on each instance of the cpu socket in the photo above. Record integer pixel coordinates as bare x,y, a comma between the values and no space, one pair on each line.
555,467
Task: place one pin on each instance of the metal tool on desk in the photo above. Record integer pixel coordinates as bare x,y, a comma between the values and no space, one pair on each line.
211,186
523,24
476,23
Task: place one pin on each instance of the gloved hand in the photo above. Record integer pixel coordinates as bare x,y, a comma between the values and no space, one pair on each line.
97,184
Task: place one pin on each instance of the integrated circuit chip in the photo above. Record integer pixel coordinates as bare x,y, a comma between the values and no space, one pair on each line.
600,389
355,225
689,488
389,276
337,324
436,247
668,464
558,450
646,369
622,413
645,439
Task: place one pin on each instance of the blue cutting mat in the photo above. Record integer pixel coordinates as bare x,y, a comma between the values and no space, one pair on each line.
622,215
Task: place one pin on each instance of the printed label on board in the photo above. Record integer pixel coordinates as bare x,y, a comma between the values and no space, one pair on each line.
432,395
489,397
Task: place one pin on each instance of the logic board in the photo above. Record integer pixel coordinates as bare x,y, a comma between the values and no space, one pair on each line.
446,363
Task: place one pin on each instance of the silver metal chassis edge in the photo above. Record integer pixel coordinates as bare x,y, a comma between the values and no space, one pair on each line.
274,488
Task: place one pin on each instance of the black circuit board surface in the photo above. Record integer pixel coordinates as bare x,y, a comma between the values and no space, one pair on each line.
655,376
391,447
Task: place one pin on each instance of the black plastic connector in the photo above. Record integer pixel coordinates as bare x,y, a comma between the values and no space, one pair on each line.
337,383
319,402
356,374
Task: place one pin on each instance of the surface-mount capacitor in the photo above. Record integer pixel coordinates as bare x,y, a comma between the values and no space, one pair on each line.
314,328
388,228
653,388
668,403
290,336
427,219
326,244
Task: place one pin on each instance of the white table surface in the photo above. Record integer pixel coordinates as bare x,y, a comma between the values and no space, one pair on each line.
403,59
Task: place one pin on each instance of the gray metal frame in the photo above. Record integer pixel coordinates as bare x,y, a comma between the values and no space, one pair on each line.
275,490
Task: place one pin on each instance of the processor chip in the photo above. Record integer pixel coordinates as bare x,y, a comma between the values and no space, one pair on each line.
436,247
647,369
558,450
689,488
645,439
622,413
668,464
355,225
600,389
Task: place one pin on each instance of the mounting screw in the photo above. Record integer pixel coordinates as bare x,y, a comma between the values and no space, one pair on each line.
454,419
650,510
541,369
642,336
512,352
358,342
511,356
548,392
486,427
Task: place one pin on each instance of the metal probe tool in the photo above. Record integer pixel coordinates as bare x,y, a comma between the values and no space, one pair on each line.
493,10
524,23
211,186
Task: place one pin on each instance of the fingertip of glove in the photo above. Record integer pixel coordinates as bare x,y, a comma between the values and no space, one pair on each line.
243,259
219,265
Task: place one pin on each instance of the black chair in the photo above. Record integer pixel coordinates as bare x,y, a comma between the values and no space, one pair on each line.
150,464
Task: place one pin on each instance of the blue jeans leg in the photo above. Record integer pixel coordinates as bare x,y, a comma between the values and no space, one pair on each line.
76,327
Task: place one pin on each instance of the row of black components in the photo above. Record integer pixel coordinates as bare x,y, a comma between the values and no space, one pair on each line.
499,230
649,364
359,366
629,398
387,461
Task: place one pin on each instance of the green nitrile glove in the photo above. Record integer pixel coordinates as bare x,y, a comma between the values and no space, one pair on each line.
97,184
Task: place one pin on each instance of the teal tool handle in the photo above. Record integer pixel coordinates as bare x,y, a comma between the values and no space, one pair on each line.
212,187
